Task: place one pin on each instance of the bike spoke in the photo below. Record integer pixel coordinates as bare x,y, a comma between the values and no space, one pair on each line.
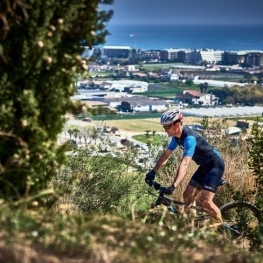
240,220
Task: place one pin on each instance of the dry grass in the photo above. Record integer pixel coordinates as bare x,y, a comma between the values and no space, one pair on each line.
136,125
237,172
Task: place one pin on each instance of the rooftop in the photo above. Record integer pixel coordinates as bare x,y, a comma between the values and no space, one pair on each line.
224,111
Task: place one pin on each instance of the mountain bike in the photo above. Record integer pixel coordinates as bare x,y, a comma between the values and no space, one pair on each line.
241,219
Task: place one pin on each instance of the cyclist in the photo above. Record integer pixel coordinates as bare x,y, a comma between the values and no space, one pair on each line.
208,175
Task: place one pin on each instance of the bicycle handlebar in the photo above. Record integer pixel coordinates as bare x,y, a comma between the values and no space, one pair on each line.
159,188
160,200
156,186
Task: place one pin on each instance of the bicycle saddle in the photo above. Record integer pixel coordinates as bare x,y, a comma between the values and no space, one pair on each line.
223,181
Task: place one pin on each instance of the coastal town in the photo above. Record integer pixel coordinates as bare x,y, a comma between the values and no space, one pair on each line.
124,88
199,57
123,79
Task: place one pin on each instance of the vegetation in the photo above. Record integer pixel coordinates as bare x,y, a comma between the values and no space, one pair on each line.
150,138
256,161
102,206
39,63
247,95
79,202
169,90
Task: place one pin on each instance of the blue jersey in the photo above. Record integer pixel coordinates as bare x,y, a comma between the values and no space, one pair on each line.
194,146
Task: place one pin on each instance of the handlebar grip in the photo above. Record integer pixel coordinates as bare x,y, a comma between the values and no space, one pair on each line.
156,186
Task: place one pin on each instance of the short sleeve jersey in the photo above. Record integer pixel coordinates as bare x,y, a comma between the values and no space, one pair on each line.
194,146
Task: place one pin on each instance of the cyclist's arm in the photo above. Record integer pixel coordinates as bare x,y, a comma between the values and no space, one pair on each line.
165,156
162,160
189,149
181,171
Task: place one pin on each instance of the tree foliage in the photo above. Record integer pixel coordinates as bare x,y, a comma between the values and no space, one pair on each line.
94,183
243,95
256,161
39,61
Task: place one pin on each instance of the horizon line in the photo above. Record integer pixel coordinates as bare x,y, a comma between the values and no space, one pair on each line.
187,24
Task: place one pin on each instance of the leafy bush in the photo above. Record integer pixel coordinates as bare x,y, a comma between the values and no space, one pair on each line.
39,62
256,164
94,183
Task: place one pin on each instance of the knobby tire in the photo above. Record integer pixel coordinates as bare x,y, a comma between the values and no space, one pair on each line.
244,218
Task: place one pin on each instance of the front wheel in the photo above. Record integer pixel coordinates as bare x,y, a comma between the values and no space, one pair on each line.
241,220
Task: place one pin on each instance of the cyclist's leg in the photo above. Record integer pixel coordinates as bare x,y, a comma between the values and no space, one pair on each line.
190,194
194,187
214,173
206,200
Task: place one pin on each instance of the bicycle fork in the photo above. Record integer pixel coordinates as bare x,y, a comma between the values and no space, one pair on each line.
170,207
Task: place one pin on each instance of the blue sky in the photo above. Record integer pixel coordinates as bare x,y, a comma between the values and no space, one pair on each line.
187,12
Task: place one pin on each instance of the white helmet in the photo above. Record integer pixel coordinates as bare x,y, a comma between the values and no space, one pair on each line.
171,116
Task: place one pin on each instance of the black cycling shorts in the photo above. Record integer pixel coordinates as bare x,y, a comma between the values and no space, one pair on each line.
208,176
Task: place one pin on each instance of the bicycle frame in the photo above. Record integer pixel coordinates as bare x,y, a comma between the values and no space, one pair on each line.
167,201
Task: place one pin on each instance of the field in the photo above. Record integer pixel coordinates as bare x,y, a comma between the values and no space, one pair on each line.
152,124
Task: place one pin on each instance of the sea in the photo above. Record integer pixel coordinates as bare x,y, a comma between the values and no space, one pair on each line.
164,36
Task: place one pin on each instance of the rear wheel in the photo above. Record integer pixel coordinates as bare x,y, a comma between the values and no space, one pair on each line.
241,220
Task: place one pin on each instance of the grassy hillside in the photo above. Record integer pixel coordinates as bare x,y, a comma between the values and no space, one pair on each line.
101,212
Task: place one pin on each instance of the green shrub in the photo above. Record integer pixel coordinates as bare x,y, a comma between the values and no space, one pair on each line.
94,183
39,63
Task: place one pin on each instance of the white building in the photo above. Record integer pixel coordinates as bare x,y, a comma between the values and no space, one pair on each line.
174,77
208,55
145,105
139,89
121,85
217,83
130,68
207,99
211,55
150,108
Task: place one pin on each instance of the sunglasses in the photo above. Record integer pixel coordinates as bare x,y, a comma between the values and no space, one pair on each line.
167,127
